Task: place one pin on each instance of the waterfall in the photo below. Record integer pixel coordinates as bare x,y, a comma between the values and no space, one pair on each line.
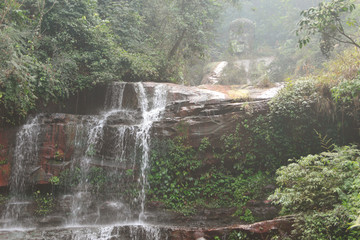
25,156
150,115
119,137
106,180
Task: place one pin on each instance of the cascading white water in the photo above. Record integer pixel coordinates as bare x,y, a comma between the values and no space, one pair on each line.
93,129
123,232
129,130
150,115
25,155
81,197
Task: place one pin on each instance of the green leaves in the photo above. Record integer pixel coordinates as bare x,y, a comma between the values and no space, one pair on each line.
181,178
44,202
319,187
326,19
346,96
51,49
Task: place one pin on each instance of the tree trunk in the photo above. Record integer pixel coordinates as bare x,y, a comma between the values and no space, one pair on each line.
176,45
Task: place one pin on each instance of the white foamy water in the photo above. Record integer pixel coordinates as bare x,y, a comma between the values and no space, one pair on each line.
25,155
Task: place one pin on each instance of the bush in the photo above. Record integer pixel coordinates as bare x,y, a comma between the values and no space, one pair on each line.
347,97
324,190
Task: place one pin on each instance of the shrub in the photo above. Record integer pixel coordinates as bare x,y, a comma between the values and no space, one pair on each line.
324,190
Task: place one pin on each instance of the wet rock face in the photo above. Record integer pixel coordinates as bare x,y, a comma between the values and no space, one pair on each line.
261,230
129,99
212,119
205,113
7,138
90,101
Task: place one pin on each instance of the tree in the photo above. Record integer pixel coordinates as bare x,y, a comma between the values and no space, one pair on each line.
328,21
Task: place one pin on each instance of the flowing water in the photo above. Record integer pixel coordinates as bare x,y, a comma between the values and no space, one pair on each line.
25,157
133,231
119,137
107,180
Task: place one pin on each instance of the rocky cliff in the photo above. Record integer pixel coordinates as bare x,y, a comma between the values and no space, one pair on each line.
208,113
98,138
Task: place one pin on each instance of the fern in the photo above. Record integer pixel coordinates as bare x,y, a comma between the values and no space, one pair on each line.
325,142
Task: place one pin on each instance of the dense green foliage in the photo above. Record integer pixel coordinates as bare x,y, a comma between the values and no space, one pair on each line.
50,49
183,178
324,190
288,130
327,20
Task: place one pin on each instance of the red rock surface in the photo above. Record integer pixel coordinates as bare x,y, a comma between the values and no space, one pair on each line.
260,230
54,152
6,138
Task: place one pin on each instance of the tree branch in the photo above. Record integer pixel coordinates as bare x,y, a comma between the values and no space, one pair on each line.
337,39
349,38
41,7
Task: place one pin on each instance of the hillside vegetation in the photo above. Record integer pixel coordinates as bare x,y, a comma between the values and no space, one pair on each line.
50,49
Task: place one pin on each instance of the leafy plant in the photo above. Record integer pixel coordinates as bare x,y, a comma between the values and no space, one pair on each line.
54,180
237,235
346,96
355,224
326,143
3,199
247,216
3,155
45,203
59,156
98,178
91,151
204,144
129,172
70,178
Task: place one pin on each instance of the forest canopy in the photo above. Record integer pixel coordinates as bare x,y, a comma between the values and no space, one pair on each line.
50,49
